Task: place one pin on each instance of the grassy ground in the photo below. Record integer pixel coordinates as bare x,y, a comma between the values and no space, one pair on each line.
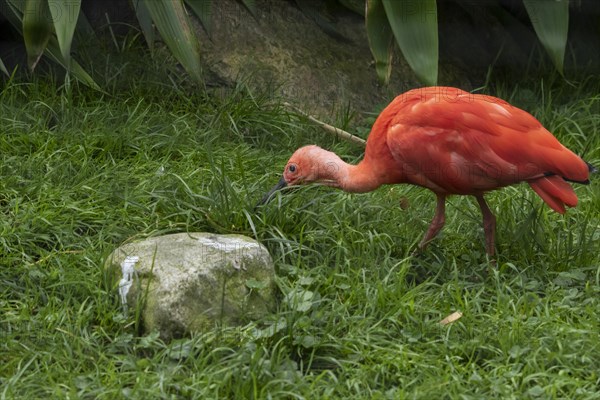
81,172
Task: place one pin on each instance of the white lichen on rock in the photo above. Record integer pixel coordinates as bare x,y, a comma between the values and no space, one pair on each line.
127,271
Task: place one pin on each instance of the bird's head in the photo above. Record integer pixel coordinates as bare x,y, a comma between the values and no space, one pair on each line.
309,164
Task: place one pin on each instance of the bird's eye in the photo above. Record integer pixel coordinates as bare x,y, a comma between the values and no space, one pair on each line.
292,168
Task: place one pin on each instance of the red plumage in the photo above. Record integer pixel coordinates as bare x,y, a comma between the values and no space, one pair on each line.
454,142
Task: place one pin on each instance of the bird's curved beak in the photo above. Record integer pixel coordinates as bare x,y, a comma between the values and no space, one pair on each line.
280,185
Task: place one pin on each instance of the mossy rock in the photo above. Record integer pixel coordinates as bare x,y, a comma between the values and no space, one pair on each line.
190,282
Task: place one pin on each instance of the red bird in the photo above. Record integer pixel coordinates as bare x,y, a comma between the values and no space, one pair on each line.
451,142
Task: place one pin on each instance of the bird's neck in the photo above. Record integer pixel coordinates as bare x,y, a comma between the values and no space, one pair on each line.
376,169
358,178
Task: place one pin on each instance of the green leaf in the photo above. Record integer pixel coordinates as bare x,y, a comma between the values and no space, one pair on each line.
64,16
145,20
256,284
203,10
37,29
317,13
536,391
3,68
84,29
13,13
357,6
271,330
174,26
299,300
182,348
75,69
306,341
414,24
550,19
381,39
250,6
52,48
306,280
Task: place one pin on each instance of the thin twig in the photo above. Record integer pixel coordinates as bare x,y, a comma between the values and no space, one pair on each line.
340,133
455,316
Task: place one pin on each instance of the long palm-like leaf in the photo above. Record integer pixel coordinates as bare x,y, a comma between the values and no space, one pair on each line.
37,29
381,38
65,14
313,10
3,68
174,26
415,27
13,13
357,6
145,20
52,49
550,19
203,10
250,6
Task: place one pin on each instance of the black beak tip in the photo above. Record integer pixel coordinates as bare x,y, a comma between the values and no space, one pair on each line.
280,185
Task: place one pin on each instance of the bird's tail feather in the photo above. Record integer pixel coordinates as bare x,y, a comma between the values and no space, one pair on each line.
555,192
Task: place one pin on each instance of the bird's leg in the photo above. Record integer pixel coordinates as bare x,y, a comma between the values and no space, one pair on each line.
437,223
489,225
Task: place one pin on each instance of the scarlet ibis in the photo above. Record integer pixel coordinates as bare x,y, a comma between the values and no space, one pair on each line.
451,142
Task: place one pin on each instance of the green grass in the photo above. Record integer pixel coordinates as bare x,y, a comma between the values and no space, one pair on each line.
82,173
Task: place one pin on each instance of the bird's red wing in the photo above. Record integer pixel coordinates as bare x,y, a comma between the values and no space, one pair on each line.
448,161
473,143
